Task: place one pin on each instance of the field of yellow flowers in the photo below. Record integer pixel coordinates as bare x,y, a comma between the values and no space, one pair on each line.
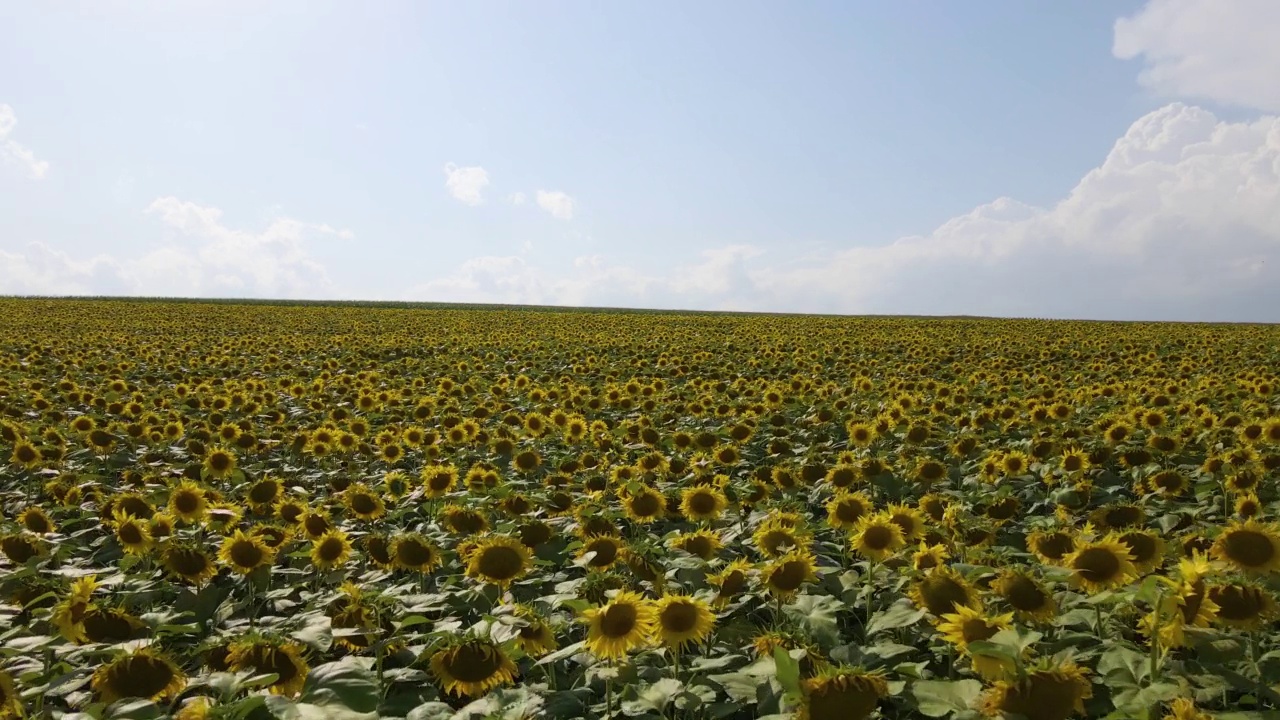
295,511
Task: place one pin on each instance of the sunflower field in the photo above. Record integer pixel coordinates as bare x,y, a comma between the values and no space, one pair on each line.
298,511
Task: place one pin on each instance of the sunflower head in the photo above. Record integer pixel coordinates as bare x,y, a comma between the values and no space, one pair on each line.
943,591
536,636
846,509
731,581
472,666
1028,598
498,560
331,550
785,575
842,693
1047,692
412,551
627,621
683,619
141,674
244,553
1101,564
1249,546
968,625
188,561
878,536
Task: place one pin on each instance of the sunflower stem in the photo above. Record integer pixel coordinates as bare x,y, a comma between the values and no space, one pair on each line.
1097,613
608,697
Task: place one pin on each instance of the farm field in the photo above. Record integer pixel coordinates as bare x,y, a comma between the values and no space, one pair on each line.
221,510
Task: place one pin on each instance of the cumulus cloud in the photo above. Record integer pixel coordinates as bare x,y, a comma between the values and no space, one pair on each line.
200,257
466,184
1181,221
559,204
13,152
1221,51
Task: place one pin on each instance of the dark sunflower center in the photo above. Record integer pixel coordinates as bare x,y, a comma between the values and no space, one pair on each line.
977,629
878,537
943,594
377,549
842,699
1142,547
1123,516
108,626
500,562
699,545
733,582
414,553
36,523
187,562
789,576
129,534
775,540
646,505
850,511
264,492
1055,546
364,504
1192,601
702,503
473,662
1043,696
1072,463
1097,564
1002,509
316,525
680,617
1236,602
1249,548
906,522
439,483
246,554
186,502
274,660
219,462
136,507
1023,594
618,620
331,549
534,534
25,454
606,552
139,676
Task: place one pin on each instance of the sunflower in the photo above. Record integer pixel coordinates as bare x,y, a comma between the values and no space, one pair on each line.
784,576
1047,692
142,674
702,503
1101,565
683,619
967,625
331,550
110,625
1187,606
35,520
644,505
1014,463
264,494
1029,600
10,702
776,538
846,509
943,591
909,519
270,656
315,522
1074,460
133,534
219,463
187,561
1185,709
1250,547
245,553
472,667
68,614
876,537
498,560
929,557
842,693
221,517
626,622
291,510
730,581
600,551
439,480
1168,483
535,636
412,551
1118,516
463,521
161,525
1146,549
1052,547
275,536
1243,606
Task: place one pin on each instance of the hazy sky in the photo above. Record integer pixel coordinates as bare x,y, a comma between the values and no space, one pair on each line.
1071,159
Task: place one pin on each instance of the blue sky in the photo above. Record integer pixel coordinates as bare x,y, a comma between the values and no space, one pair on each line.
746,155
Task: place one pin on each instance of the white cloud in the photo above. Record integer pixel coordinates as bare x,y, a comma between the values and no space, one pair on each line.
557,203
466,183
1181,221
518,199
12,152
201,257
1222,50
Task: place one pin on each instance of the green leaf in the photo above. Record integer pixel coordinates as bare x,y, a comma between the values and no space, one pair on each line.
938,698
344,683
656,697
900,614
818,614
431,711
1120,664
788,670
